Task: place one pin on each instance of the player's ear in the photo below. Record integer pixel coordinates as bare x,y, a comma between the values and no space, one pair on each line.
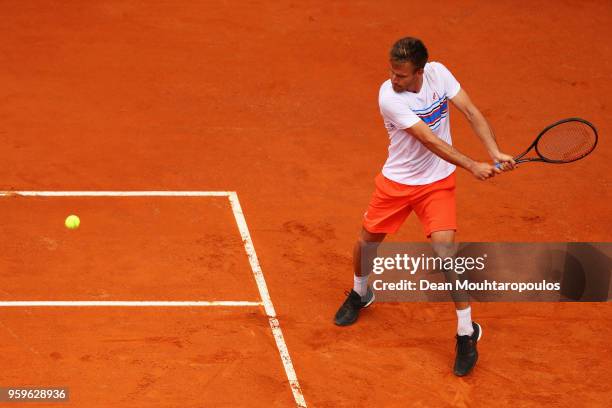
420,71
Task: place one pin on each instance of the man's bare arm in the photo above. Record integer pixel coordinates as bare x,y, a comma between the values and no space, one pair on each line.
481,127
439,147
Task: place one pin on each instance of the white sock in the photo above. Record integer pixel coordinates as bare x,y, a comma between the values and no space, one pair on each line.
360,285
464,322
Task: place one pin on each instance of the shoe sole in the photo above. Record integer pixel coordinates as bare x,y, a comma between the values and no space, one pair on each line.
479,332
369,302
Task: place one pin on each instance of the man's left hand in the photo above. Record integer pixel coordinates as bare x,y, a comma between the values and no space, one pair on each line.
506,161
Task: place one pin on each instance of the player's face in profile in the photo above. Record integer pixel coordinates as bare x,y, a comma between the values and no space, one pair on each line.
404,77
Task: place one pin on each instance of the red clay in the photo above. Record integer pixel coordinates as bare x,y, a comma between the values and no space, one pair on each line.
125,249
277,101
145,357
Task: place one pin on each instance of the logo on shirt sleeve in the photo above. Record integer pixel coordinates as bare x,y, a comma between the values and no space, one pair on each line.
389,126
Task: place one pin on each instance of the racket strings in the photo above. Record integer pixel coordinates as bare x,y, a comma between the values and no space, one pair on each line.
567,141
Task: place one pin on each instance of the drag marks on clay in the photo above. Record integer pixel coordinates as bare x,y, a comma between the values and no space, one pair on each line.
174,341
319,233
298,240
56,355
22,343
533,219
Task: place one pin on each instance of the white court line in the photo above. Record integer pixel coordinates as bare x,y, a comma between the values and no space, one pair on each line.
248,246
267,301
125,303
116,193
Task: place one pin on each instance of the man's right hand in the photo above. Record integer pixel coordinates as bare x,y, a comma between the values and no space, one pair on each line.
483,171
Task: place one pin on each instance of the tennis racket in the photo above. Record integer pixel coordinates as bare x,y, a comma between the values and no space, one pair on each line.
564,141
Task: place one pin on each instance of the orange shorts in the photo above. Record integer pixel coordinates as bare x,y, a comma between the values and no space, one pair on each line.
393,202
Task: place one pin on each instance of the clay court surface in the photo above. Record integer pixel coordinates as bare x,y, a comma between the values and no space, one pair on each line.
277,101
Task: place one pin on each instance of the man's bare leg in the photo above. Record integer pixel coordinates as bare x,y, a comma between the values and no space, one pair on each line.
444,246
365,238
468,332
361,296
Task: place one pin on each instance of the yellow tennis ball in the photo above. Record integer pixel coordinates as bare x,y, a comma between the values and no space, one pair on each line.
72,222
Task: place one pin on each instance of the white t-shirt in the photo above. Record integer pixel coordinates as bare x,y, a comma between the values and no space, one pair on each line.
409,161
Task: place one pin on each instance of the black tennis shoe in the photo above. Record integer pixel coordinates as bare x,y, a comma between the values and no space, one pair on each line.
349,311
467,353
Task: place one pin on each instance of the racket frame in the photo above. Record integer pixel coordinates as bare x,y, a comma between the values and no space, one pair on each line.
541,158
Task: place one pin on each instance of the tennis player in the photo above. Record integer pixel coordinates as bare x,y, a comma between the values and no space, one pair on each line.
419,174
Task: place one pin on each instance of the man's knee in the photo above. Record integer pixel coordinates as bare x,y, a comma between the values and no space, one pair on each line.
365,250
444,250
443,243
